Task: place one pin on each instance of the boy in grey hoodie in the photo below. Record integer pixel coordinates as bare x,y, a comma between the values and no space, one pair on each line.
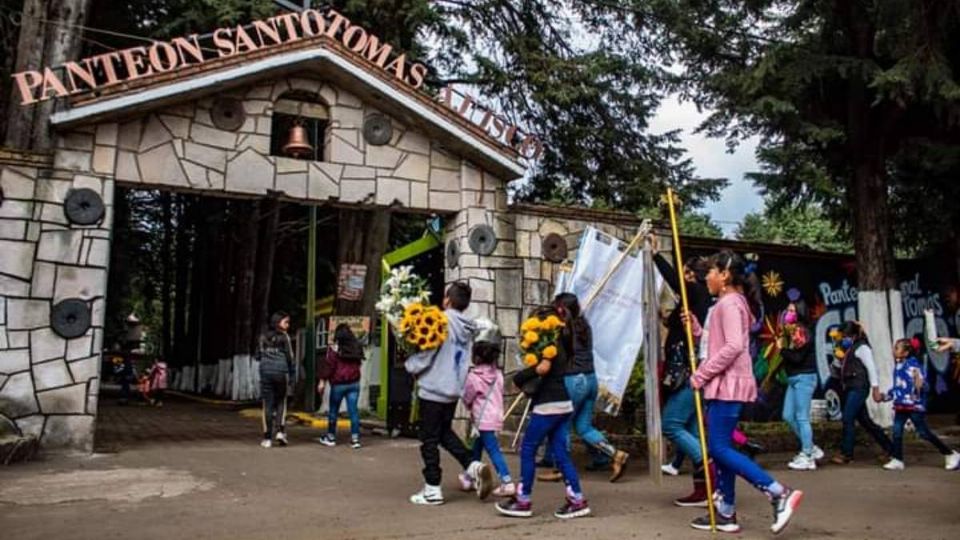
441,375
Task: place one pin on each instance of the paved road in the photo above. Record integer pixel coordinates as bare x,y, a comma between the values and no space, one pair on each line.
195,471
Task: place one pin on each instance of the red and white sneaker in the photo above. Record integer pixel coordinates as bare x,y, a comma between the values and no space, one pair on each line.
784,507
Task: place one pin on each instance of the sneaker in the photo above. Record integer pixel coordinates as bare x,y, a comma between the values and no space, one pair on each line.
724,523
282,438
506,489
841,459
266,443
573,508
753,449
515,508
817,453
327,440
482,477
619,465
784,507
669,469
894,465
803,462
550,476
952,461
466,483
697,499
355,444
428,496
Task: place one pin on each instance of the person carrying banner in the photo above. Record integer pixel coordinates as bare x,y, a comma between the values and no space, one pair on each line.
726,378
580,380
679,417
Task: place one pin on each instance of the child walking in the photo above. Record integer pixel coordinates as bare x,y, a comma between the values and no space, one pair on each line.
157,377
483,395
342,370
441,376
909,403
549,420
726,378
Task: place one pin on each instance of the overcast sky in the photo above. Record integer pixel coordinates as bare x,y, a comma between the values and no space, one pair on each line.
711,159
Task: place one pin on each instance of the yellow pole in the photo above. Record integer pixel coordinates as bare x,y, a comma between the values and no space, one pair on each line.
678,262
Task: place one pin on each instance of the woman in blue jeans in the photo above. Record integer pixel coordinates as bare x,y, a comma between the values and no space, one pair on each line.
342,370
580,380
726,378
800,364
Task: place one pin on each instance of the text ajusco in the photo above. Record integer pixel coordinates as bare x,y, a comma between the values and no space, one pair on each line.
162,56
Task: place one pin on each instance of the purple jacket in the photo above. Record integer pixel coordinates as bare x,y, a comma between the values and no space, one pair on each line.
484,380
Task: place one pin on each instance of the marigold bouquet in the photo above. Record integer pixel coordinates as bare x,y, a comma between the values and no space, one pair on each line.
404,299
538,339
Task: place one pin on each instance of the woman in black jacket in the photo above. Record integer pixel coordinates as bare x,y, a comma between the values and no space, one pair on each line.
550,413
800,364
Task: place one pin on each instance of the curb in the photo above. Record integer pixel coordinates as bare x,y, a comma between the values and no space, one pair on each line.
311,421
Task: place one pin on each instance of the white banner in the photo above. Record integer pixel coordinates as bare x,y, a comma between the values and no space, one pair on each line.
616,315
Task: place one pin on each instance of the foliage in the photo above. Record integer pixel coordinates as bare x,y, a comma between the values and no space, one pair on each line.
806,226
834,89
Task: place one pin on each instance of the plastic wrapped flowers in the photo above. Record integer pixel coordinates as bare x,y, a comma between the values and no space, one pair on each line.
538,339
404,302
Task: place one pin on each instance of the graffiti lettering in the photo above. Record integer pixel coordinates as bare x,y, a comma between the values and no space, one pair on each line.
845,294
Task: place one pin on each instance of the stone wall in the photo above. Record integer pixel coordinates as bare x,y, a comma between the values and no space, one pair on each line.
49,384
180,147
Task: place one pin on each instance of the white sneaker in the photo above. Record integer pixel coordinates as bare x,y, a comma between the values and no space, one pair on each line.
482,477
952,461
508,489
817,453
266,443
282,438
327,440
429,496
669,469
894,465
803,462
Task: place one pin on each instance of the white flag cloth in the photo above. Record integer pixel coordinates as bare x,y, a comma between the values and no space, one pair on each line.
616,315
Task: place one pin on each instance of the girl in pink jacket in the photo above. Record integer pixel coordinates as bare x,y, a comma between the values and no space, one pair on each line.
726,379
483,395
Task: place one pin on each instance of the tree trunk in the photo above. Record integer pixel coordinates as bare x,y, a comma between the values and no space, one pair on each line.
166,287
246,267
266,252
30,47
181,281
363,240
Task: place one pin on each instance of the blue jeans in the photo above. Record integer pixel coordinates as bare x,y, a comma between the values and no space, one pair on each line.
351,391
488,441
680,424
855,410
583,389
796,408
555,428
722,418
919,420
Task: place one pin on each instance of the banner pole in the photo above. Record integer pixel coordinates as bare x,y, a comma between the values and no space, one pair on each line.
678,263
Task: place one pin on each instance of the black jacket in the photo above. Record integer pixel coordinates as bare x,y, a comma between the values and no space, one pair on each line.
551,387
697,295
275,354
582,360
800,360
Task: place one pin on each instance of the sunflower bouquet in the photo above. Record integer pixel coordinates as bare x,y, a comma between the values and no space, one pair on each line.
404,302
538,339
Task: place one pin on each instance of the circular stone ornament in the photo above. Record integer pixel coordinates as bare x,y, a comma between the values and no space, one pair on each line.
482,240
453,254
377,130
554,248
83,206
70,318
228,114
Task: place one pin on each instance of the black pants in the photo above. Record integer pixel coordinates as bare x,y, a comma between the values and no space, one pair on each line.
919,420
273,391
436,421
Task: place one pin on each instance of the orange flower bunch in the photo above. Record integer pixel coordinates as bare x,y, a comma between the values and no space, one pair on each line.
539,339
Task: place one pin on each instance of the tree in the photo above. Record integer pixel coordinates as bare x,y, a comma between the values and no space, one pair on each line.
835,89
701,225
805,226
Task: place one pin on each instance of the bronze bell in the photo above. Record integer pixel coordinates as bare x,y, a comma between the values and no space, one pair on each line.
298,144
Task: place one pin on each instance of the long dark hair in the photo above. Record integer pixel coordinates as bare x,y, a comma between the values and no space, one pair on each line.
574,319
349,346
853,329
737,266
